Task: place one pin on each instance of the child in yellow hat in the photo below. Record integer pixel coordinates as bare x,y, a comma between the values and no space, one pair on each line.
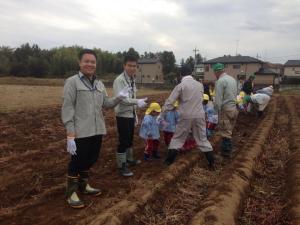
149,131
210,115
168,126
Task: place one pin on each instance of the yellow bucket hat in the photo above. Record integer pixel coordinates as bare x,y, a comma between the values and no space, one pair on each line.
205,97
242,94
154,106
176,104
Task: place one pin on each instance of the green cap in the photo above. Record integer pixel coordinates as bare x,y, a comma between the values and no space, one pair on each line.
218,67
247,98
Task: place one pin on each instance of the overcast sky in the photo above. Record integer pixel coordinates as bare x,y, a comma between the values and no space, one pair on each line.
269,28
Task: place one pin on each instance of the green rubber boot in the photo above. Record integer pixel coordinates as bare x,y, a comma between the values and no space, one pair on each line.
122,165
130,159
71,192
84,186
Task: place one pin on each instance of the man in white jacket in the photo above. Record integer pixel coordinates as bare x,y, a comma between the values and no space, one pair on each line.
126,115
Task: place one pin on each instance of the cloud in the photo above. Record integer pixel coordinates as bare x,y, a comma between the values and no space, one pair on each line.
216,27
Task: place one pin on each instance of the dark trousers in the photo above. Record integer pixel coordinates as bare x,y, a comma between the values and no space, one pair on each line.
167,137
87,153
126,131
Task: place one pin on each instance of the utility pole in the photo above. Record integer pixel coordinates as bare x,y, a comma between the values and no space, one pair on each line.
141,76
195,50
258,56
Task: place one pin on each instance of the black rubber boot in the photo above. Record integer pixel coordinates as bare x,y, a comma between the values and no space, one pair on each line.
210,159
172,153
147,157
226,147
155,155
168,156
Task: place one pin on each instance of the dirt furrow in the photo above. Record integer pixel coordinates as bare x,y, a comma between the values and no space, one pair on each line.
177,202
222,204
147,208
144,193
104,175
33,192
268,184
293,165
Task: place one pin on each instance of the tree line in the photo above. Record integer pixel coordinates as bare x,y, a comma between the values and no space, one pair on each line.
31,60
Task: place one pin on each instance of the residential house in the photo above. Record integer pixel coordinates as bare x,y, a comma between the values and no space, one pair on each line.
292,69
234,66
149,71
276,67
198,72
265,76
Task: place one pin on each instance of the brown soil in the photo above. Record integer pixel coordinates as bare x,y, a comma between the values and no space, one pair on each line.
168,195
222,205
33,168
34,162
293,164
267,199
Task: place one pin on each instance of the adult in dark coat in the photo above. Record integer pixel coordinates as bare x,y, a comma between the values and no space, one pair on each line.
248,85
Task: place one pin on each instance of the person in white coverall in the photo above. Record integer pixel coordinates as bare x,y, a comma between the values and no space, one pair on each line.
189,94
260,100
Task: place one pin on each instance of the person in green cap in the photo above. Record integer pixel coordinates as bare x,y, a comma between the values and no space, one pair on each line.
248,85
226,92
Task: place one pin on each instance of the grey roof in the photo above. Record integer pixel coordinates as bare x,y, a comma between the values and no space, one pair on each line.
147,61
265,71
233,59
292,63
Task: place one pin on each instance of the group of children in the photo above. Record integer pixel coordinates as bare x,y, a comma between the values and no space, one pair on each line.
259,100
152,125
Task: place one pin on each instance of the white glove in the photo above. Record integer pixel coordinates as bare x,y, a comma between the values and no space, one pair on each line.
124,93
142,102
136,122
159,118
71,145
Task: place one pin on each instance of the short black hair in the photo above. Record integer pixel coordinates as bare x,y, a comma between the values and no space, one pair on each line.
86,51
130,58
185,70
